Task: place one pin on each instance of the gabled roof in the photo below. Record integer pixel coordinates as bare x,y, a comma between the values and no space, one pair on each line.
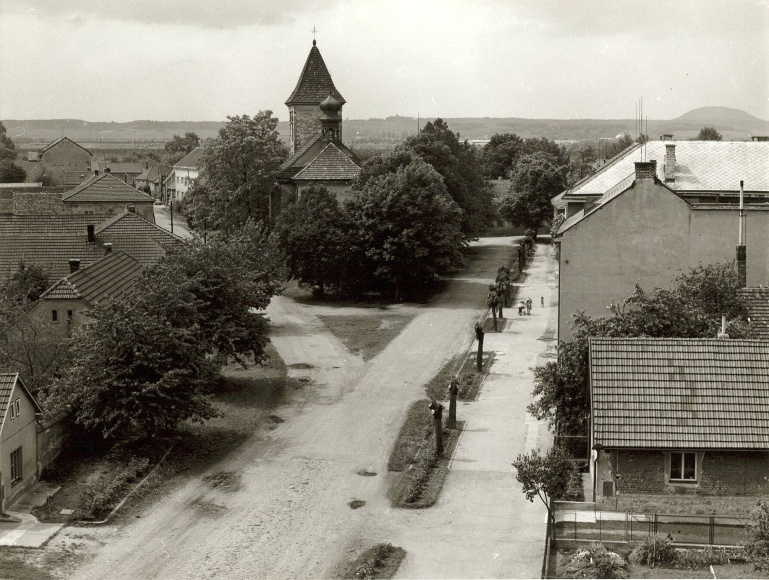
110,277
60,140
51,240
679,393
153,172
192,159
314,83
756,300
114,167
106,187
7,382
701,166
331,164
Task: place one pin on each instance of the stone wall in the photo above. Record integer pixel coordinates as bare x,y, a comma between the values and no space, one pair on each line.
729,473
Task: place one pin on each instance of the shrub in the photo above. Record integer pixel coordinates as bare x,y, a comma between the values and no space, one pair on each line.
101,494
757,546
656,549
605,564
693,559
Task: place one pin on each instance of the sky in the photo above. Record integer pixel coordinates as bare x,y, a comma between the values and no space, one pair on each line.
201,60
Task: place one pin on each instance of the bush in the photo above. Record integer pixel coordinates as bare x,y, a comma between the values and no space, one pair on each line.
104,492
656,549
604,564
757,546
694,559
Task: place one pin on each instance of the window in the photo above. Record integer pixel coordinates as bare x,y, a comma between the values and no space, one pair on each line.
54,315
13,410
16,471
18,408
683,466
70,314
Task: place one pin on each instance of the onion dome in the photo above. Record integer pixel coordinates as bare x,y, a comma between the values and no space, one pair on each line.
330,105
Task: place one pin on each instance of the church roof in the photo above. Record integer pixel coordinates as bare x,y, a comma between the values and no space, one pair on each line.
331,164
314,83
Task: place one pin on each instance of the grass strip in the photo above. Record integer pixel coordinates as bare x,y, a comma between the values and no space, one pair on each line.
379,561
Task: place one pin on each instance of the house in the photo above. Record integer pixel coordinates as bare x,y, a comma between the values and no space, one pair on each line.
127,172
65,159
107,194
317,154
51,241
61,307
19,412
677,415
654,221
152,178
184,172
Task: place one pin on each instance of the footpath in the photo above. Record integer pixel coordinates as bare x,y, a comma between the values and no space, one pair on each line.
482,525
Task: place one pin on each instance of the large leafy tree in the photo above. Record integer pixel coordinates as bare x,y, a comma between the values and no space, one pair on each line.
500,153
314,235
458,163
238,169
11,173
405,226
536,180
545,476
7,146
691,308
183,145
708,134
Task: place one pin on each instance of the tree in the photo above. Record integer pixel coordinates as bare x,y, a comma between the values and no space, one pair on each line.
458,163
708,134
11,173
545,476
182,145
498,156
536,180
43,175
27,284
757,544
691,308
406,228
238,168
314,235
582,163
623,142
7,146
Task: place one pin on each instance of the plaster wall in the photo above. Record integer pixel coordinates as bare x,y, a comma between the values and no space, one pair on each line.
21,431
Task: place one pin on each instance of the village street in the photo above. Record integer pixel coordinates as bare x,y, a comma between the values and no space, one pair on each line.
290,518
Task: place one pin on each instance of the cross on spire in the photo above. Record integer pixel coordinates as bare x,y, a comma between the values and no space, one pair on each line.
314,32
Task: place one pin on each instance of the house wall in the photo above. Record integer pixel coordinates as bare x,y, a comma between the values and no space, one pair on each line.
718,472
20,431
143,208
342,190
39,317
183,180
645,236
66,156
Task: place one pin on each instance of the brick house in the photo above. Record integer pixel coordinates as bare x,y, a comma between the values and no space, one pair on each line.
19,412
679,416
317,154
126,172
641,222
65,159
107,194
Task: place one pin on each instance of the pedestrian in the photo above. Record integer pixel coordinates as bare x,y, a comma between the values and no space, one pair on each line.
528,305
520,306
542,301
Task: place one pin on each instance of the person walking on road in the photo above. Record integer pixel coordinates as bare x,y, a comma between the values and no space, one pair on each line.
542,301
528,305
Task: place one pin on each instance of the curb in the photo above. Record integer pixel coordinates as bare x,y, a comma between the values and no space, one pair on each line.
130,493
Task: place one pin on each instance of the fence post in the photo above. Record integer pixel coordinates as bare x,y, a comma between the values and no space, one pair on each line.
575,525
599,526
712,530
631,527
626,527
654,528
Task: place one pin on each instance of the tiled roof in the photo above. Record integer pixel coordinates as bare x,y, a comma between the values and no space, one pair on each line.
331,164
706,166
113,167
75,177
51,240
110,277
106,187
192,159
59,140
7,382
756,300
680,393
291,165
314,83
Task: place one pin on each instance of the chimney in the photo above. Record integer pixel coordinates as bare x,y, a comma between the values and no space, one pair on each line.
131,207
723,334
91,235
74,265
666,137
107,248
670,162
107,170
742,251
96,172
645,170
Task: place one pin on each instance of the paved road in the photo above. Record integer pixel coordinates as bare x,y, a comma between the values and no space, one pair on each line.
163,219
290,517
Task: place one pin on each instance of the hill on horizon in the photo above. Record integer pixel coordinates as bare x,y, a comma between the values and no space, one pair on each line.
734,124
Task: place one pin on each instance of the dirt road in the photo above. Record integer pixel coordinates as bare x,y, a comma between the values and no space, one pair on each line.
290,517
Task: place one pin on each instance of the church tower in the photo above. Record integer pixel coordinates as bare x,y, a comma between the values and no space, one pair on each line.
304,110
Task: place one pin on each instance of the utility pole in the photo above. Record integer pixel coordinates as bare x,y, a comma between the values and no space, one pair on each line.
479,336
437,410
172,215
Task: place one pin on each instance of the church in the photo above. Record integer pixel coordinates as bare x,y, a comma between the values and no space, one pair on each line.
317,155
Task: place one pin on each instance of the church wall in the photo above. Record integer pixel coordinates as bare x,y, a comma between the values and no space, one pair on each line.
306,123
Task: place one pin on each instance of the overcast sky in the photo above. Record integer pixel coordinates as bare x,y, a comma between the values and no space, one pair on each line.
201,60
